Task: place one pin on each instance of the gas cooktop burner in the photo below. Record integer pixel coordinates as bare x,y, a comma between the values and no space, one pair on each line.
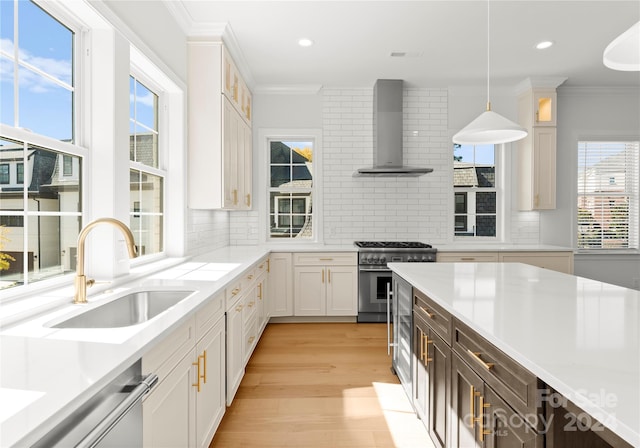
392,245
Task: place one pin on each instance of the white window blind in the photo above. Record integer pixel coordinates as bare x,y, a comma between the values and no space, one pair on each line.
608,198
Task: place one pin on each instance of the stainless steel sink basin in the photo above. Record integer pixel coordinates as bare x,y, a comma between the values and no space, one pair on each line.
131,309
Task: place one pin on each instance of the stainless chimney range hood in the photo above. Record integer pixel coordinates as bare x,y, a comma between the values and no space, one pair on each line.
387,133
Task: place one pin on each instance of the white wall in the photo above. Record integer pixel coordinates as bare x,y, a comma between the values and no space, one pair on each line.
585,113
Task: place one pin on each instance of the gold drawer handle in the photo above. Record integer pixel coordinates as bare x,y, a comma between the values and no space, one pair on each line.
250,276
467,258
251,339
250,304
430,315
239,308
326,259
235,291
476,356
483,406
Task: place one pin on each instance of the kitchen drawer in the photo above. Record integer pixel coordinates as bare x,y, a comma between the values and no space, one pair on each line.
468,257
162,358
209,314
250,305
263,266
509,379
325,258
249,277
435,316
232,294
250,337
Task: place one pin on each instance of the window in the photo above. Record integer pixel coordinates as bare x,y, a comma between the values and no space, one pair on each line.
4,173
41,214
37,71
146,177
475,194
608,198
291,189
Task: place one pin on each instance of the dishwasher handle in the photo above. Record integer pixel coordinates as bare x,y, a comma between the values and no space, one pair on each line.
94,437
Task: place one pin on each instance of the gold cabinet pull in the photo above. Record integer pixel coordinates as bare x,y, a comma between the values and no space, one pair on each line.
235,291
251,304
204,363
326,259
239,308
251,339
323,276
199,375
268,264
250,276
483,406
427,360
328,275
422,353
260,291
248,201
467,258
430,315
235,197
476,356
472,405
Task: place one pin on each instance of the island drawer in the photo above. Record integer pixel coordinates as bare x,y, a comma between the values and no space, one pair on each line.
514,383
436,316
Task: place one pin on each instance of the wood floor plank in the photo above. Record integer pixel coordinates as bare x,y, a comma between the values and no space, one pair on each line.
321,385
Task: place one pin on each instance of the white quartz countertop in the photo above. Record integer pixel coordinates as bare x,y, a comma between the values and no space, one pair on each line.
499,247
580,336
46,373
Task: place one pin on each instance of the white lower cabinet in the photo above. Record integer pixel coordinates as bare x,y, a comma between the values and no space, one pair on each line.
325,284
280,289
247,315
186,407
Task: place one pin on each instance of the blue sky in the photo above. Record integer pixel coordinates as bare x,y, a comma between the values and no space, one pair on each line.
45,73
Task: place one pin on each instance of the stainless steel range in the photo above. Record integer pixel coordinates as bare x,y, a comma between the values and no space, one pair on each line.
374,277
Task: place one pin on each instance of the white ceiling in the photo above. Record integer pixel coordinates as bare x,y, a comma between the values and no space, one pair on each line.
446,40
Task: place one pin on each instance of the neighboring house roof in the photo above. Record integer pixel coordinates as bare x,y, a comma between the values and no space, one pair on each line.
465,175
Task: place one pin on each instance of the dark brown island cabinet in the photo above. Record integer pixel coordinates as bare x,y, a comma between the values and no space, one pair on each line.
468,393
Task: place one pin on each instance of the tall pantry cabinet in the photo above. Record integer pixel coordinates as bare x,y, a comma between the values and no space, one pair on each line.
220,141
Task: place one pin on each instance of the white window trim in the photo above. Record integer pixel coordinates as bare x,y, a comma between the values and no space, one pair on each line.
595,137
266,135
503,198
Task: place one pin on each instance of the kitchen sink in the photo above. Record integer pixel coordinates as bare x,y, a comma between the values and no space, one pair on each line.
130,309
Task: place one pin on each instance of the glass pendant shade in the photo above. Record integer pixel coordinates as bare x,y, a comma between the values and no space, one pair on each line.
623,53
490,127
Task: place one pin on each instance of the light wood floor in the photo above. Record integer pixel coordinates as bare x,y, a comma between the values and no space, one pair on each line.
321,385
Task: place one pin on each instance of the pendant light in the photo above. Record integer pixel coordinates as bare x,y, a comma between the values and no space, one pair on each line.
489,127
623,53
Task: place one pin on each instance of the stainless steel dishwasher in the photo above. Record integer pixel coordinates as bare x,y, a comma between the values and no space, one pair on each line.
110,419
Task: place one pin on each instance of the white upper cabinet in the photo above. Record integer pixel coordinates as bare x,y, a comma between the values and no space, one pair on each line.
537,110
219,131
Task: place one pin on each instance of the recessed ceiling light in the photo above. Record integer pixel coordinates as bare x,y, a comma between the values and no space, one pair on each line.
544,44
304,42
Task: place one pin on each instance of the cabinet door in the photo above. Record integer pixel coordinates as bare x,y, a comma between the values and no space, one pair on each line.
504,427
466,388
210,401
230,120
342,290
235,348
309,283
280,284
420,376
247,167
439,373
263,303
544,168
169,412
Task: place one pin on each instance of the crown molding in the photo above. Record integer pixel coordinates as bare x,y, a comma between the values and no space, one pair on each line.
292,89
540,82
598,90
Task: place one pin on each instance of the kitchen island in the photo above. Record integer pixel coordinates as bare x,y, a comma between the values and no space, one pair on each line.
579,337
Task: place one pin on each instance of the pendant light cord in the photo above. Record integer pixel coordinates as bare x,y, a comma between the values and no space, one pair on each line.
488,53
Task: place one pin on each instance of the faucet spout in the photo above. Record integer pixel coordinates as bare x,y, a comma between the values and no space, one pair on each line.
81,280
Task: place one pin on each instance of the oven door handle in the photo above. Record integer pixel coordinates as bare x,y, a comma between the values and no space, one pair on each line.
389,294
374,269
